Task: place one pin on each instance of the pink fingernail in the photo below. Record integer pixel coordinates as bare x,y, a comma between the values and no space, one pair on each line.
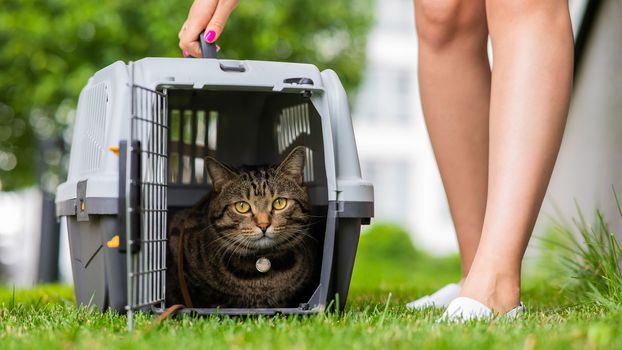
210,36
185,53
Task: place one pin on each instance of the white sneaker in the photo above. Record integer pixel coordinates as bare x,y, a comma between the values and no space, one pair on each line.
439,299
463,309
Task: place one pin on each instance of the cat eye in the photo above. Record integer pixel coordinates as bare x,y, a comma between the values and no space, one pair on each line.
242,207
279,203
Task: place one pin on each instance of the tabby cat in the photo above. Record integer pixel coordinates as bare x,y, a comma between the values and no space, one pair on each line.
248,243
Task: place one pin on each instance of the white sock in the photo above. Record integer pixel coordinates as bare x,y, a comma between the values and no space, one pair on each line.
439,299
463,309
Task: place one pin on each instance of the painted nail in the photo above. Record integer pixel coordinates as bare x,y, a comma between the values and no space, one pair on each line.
210,36
185,53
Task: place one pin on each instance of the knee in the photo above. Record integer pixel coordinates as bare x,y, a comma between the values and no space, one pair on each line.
441,22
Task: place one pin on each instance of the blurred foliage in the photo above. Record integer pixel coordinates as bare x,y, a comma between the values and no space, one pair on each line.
50,48
387,261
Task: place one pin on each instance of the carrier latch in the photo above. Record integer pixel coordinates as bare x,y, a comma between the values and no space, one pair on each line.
81,210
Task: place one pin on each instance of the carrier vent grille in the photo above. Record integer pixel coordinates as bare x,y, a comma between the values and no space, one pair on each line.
308,172
193,137
91,128
293,123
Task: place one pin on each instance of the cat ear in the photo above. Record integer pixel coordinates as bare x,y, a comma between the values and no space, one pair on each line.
293,165
219,173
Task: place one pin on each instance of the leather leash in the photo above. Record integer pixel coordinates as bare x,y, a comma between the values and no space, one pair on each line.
180,270
171,310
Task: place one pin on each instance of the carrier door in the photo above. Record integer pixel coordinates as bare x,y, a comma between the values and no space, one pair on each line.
146,201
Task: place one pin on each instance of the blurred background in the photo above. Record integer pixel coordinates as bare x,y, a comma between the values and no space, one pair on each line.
50,48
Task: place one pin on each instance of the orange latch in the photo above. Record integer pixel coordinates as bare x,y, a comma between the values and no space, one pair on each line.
113,242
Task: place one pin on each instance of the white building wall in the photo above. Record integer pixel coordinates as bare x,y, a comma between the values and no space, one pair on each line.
20,215
394,147
590,160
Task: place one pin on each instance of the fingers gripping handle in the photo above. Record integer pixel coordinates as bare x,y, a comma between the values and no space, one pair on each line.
207,50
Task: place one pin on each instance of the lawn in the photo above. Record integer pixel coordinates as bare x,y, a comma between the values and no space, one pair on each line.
388,273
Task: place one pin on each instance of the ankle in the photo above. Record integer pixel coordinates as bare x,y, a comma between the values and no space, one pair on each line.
498,291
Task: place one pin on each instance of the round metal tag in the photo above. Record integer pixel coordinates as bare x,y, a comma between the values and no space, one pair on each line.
263,265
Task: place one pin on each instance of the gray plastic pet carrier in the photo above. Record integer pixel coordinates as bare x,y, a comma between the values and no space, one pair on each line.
141,132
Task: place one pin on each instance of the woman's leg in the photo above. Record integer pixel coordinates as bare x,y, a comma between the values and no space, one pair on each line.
531,84
454,80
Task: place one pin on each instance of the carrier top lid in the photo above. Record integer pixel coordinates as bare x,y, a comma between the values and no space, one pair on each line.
245,74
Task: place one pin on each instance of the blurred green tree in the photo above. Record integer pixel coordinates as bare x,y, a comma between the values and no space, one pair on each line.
51,47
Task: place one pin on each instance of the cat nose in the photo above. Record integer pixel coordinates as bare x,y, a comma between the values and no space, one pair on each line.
263,226
262,220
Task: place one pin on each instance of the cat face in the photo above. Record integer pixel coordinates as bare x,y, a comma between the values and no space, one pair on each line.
261,208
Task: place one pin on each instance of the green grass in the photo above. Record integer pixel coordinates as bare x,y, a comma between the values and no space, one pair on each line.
388,273
594,258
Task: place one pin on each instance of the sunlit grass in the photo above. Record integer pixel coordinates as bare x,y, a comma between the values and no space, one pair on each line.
389,272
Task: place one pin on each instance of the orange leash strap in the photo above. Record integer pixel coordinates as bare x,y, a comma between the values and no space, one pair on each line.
171,310
180,270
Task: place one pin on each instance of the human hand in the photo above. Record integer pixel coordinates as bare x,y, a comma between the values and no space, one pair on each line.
204,15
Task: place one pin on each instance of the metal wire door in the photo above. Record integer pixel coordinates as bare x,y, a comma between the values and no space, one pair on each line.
147,202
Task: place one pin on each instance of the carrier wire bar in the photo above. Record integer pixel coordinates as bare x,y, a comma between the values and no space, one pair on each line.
147,202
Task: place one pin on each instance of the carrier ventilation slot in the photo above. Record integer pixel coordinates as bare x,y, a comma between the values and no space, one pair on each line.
308,172
294,123
192,138
93,130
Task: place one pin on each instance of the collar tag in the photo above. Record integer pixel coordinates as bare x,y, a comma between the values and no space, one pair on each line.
263,265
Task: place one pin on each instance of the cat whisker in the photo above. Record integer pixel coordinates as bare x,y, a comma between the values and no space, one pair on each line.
219,239
239,245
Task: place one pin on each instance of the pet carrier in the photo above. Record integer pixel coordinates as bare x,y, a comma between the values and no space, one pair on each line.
141,133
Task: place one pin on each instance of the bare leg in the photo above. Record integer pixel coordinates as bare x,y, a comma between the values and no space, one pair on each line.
531,84
454,79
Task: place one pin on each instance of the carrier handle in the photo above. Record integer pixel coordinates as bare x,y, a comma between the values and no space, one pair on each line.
207,50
